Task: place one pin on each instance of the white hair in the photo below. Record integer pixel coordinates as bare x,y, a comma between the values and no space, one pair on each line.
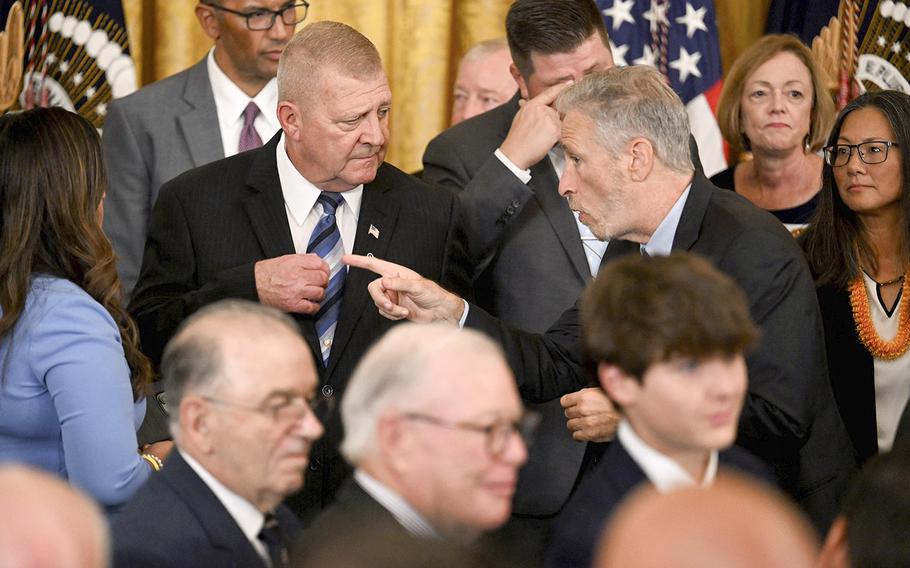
397,370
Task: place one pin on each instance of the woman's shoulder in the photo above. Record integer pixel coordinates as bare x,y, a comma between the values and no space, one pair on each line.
725,179
54,298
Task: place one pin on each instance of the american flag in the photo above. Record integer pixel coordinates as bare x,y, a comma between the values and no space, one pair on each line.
679,37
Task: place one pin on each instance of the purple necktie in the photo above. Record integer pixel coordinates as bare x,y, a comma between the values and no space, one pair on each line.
249,138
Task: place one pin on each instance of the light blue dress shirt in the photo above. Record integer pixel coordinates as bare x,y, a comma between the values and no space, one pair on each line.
66,404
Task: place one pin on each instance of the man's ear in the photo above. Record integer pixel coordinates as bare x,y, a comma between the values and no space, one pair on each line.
391,438
289,118
619,386
834,553
208,20
522,85
642,161
196,424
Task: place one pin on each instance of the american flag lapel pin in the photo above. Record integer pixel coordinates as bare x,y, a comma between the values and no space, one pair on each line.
373,231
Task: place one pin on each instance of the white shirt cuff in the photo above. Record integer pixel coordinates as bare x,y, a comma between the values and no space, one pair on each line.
464,316
523,175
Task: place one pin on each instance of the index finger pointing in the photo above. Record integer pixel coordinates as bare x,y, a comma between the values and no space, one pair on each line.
378,266
549,95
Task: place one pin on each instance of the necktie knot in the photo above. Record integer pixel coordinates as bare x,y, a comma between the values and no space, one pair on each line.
250,113
273,539
249,138
330,201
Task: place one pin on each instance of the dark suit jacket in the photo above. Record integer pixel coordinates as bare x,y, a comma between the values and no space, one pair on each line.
212,224
580,526
531,264
192,529
357,531
852,374
531,267
789,419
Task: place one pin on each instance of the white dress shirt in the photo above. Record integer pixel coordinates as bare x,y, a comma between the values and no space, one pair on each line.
248,517
392,502
663,472
304,212
661,242
230,102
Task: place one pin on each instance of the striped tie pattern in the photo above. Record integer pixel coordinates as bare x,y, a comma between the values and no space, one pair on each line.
326,242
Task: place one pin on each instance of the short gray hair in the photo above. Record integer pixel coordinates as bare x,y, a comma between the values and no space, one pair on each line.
320,45
632,102
193,359
485,48
396,369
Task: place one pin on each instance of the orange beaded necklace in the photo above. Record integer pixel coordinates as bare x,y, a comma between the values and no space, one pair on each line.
862,316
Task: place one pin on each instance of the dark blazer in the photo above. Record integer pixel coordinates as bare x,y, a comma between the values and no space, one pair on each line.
789,418
852,374
531,267
193,528
212,224
580,526
357,531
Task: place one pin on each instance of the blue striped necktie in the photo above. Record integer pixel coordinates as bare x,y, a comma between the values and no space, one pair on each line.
326,242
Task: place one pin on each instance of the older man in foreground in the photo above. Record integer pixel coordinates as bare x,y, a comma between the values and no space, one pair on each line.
433,425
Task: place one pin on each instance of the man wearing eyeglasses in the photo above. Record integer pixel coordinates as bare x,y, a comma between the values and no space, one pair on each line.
220,106
435,429
240,384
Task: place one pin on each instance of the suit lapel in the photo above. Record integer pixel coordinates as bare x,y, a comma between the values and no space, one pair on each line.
265,204
375,227
199,126
693,213
544,183
220,528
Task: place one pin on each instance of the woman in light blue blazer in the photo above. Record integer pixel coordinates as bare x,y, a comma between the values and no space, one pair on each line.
71,373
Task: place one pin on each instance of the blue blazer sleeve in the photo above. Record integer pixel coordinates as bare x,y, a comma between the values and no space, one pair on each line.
75,351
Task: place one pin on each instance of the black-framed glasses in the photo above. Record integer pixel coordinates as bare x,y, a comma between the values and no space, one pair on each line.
284,409
261,19
872,152
496,434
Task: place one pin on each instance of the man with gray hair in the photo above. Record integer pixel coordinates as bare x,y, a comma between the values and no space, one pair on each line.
241,386
433,425
483,81
629,177
283,215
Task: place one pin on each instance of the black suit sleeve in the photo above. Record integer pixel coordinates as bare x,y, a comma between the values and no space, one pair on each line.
167,291
546,366
787,366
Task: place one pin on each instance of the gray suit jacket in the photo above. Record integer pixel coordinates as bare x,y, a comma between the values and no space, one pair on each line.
530,268
150,137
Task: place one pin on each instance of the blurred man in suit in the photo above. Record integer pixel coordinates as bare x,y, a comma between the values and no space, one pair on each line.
46,523
433,425
283,215
221,105
241,386
483,81
736,523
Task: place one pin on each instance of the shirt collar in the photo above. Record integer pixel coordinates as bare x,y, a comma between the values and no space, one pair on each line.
300,194
661,242
663,472
230,100
245,514
406,516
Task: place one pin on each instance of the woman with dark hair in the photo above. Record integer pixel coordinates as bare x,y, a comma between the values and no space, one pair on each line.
775,106
858,246
72,377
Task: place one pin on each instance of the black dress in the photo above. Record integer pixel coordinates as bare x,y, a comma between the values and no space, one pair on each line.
793,217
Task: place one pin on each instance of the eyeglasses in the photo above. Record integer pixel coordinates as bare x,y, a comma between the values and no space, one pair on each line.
285,409
873,152
497,434
261,19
